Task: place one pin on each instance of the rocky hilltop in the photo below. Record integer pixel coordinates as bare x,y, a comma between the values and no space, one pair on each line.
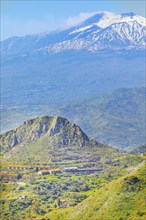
57,130
53,140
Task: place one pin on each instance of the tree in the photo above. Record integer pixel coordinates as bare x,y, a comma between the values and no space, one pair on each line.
59,202
85,187
19,176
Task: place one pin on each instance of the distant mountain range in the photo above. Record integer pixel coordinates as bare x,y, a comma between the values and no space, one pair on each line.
103,30
103,53
141,149
117,119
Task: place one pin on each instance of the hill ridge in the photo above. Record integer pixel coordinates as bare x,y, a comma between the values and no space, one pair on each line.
56,128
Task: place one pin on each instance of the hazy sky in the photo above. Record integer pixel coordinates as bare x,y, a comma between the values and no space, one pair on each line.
21,17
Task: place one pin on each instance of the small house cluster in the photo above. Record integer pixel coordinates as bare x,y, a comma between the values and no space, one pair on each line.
8,175
23,167
16,167
51,171
45,170
41,167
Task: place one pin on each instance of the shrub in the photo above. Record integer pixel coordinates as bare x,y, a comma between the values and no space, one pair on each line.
139,213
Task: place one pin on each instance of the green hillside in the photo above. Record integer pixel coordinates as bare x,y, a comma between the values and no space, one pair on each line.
121,199
116,119
100,179
118,194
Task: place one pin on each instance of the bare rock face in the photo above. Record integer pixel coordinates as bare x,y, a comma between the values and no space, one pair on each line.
56,130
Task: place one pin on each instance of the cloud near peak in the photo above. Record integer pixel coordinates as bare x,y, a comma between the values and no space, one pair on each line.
12,27
74,20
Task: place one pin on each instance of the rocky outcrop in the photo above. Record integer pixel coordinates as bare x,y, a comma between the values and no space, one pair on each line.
57,130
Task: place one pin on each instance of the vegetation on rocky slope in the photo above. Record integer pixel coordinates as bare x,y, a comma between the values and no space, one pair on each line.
118,177
56,141
121,199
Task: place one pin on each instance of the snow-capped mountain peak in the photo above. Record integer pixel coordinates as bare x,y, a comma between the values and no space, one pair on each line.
109,18
106,30
105,19
103,30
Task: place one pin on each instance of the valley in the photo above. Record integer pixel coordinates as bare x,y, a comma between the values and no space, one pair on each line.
66,195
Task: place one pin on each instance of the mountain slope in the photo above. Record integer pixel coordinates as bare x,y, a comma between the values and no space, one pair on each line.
33,130
59,67
120,199
53,140
117,118
56,142
140,150
102,30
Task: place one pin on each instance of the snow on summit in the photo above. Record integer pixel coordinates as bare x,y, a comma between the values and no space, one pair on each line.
103,30
109,18
106,30
105,19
